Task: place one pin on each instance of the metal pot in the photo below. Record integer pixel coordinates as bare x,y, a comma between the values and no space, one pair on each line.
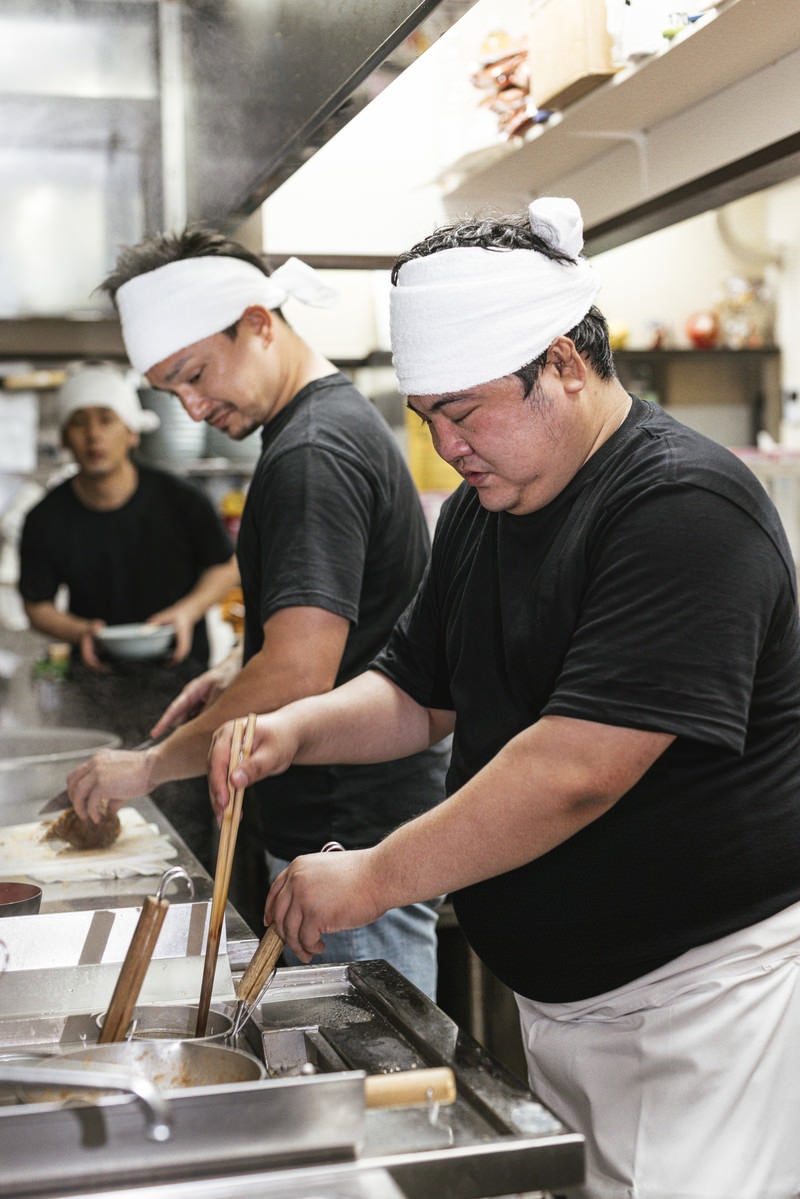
168,1065
19,899
173,1022
34,763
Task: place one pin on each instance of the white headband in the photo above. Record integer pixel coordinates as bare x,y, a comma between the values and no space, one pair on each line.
466,315
105,387
174,306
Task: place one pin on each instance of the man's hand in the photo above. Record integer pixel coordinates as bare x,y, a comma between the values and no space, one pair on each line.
88,648
198,694
107,781
183,624
323,893
274,749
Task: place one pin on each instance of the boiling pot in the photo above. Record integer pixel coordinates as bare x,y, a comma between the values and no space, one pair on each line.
173,1022
168,1065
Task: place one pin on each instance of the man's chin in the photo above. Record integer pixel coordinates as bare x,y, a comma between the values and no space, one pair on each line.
238,431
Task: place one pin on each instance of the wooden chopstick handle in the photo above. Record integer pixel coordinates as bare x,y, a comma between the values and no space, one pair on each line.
134,969
410,1088
241,744
260,966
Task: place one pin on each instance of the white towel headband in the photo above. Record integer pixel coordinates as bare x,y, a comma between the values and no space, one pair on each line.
174,306
467,315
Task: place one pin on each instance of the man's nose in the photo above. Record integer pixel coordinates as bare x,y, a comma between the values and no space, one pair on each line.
449,443
196,405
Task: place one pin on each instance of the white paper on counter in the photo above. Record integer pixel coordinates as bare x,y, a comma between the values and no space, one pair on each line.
139,849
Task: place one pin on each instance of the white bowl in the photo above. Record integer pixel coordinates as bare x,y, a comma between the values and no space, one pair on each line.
136,641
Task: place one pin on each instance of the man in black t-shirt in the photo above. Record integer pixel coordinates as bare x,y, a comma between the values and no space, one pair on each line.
129,543
609,628
332,544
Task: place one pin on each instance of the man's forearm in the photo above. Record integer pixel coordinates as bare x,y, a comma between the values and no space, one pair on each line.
48,619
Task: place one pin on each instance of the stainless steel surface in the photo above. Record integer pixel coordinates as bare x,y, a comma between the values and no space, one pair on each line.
46,1081
122,117
69,962
334,1026
176,1022
34,763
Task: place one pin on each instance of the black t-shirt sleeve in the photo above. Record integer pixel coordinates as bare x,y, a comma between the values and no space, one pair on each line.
38,576
316,514
674,619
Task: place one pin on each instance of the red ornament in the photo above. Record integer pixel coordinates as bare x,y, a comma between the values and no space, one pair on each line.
702,329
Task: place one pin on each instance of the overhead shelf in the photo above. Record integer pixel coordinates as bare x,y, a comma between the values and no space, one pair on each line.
645,148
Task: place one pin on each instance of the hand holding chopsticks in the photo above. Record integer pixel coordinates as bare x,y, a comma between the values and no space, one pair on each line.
241,745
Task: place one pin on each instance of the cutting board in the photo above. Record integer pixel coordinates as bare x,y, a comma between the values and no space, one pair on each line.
139,849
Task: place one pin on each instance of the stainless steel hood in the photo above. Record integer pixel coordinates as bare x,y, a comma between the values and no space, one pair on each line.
122,117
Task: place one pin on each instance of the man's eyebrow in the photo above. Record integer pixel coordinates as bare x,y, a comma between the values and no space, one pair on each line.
176,370
442,400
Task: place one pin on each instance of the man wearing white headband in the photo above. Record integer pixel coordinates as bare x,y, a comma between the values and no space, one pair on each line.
609,627
333,542
129,542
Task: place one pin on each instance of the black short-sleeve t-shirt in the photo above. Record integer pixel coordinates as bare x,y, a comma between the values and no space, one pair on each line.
333,520
124,564
657,591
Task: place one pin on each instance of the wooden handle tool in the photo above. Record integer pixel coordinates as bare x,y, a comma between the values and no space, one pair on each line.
410,1088
134,968
241,745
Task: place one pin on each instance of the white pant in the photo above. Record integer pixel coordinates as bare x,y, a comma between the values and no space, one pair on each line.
686,1082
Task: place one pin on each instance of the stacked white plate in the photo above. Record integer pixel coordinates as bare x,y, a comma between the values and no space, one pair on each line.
178,438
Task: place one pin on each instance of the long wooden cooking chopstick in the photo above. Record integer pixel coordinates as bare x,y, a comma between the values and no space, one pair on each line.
241,745
134,968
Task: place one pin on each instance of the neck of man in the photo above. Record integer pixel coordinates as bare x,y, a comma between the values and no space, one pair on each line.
105,492
306,365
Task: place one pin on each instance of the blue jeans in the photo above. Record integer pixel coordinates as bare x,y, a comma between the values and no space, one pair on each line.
403,937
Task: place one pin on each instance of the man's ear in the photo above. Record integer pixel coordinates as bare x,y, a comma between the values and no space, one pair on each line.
259,321
568,364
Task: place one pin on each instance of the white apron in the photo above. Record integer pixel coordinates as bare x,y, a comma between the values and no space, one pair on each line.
686,1082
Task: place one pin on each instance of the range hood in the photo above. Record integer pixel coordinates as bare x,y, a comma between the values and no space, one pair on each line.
122,117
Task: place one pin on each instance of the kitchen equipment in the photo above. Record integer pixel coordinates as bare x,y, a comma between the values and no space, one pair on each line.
136,642
37,1079
61,800
71,967
19,899
174,1022
34,762
241,744
137,959
325,1030
171,1065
